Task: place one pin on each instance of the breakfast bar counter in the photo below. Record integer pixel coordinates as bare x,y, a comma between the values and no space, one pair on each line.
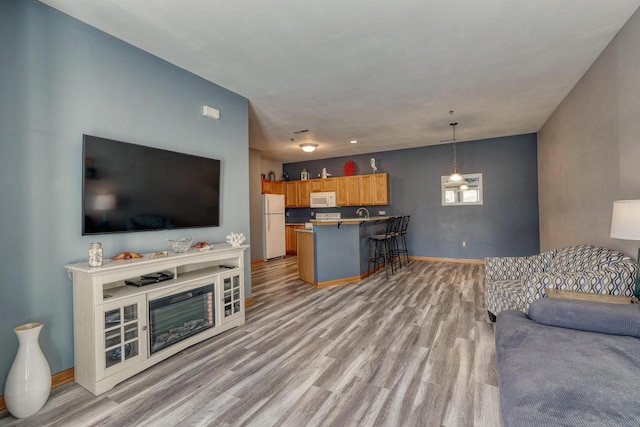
359,221
336,251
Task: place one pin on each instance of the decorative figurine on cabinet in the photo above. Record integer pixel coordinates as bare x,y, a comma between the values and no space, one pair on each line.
349,168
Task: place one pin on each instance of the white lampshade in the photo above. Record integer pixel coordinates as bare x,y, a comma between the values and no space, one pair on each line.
625,220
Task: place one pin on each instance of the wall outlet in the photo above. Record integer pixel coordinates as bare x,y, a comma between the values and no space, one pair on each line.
382,212
464,243
313,214
287,213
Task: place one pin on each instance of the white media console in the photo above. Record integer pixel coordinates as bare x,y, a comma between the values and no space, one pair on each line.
112,322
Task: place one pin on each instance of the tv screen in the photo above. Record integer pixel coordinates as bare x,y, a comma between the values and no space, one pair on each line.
128,187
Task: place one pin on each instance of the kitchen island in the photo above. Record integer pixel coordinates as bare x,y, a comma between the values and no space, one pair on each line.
337,251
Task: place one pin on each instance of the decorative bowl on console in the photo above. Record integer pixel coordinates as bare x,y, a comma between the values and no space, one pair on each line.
180,245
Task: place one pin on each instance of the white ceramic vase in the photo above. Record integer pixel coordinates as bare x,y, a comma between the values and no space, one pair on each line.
29,382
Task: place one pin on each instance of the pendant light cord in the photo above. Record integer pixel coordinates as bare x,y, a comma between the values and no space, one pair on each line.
455,158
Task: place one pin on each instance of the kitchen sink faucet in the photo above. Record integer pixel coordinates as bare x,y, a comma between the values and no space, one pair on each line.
359,212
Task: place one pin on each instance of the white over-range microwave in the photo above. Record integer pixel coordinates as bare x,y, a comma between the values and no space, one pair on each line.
326,199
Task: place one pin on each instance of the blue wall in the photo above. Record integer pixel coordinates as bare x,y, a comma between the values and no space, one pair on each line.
507,223
59,79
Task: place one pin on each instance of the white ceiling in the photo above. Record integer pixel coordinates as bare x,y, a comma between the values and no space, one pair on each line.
382,72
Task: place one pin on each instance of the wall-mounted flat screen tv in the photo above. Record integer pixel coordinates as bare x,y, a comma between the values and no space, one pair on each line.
128,187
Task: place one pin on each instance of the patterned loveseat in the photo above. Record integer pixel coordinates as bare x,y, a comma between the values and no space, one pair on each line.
513,283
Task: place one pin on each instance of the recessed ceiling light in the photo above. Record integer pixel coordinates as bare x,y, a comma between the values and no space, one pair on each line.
353,141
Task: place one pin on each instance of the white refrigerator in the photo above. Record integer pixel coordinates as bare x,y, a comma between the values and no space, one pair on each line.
273,242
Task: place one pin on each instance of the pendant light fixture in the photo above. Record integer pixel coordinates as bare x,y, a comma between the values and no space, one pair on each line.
455,177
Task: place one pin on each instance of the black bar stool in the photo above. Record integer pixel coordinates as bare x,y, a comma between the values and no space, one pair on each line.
382,248
395,249
401,239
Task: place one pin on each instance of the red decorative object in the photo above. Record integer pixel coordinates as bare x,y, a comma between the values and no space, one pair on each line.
349,168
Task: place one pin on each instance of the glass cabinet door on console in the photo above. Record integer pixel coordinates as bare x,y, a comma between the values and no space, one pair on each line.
123,328
232,296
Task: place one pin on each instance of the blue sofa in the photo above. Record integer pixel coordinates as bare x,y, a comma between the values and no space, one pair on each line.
569,363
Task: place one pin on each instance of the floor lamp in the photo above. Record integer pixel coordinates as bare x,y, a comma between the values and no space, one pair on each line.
625,224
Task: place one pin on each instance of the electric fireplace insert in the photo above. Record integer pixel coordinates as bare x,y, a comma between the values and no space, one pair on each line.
179,316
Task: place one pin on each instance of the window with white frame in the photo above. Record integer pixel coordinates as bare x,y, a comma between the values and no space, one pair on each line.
465,192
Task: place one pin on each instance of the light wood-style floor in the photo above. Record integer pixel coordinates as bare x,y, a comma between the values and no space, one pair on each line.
414,350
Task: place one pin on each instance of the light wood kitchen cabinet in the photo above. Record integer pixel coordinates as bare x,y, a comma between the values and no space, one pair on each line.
323,184
291,243
329,184
278,187
316,185
353,190
380,189
267,186
342,192
374,189
304,193
272,187
291,194
348,190
366,190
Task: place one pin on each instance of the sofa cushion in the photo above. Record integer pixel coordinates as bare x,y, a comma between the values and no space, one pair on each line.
583,258
512,268
551,376
613,319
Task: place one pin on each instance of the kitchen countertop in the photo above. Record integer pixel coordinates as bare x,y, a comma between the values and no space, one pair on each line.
355,220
